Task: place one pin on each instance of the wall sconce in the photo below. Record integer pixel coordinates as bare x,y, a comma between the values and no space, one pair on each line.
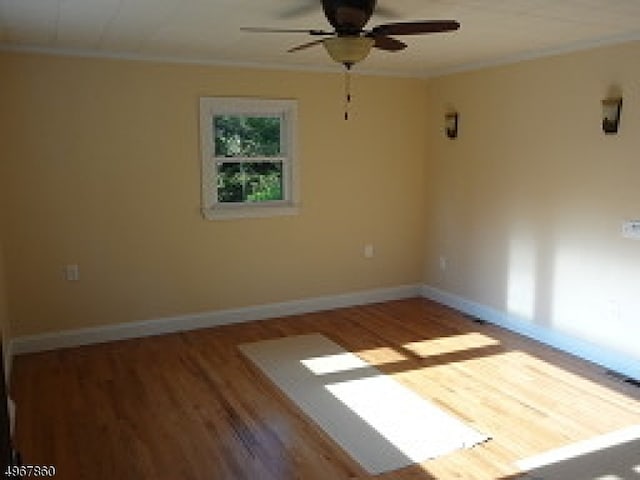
611,114
451,124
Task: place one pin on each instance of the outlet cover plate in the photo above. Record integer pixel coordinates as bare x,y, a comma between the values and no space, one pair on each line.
631,229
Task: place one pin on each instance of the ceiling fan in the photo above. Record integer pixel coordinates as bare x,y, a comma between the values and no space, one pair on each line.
349,42
305,7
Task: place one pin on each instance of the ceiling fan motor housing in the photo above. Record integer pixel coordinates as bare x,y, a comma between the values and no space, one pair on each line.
348,17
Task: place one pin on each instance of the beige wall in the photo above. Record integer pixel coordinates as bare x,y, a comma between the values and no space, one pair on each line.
527,204
103,170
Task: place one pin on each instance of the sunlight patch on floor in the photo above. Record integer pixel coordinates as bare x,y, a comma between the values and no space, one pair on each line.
580,380
376,400
342,362
451,344
417,428
381,423
381,355
326,364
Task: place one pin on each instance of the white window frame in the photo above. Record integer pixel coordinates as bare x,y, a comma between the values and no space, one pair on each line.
212,209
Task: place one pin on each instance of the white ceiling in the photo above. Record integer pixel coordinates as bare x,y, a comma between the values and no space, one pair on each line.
492,31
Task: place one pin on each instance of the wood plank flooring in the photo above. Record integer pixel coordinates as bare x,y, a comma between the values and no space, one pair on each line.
190,406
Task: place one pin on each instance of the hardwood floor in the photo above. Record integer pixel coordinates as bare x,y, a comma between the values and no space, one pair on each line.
190,406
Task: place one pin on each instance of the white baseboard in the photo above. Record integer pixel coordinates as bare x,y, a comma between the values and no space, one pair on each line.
609,359
146,328
598,354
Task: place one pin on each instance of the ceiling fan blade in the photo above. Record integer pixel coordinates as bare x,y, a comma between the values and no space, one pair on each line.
415,28
285,30
389,44
305,45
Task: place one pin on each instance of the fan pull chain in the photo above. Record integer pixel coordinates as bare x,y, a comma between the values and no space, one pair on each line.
347,92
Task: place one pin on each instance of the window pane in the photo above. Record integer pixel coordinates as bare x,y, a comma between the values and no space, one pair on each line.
250,182
247,136
264,181
230,183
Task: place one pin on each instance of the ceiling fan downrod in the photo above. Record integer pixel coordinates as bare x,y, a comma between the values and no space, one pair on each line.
347,90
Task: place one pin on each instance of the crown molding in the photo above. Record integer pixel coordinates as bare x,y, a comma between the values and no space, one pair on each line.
334,68
135,57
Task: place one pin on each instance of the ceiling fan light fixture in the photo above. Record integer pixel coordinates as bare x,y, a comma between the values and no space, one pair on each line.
348,50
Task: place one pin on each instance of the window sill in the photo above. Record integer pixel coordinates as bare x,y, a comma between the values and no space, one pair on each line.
230,212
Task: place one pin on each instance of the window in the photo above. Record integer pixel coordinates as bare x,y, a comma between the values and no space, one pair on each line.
248,157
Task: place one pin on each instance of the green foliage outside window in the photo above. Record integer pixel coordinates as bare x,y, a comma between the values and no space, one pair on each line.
249,182
248,137
244,136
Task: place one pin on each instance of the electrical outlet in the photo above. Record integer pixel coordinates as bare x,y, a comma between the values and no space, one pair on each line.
443,263
368,251
631,229
72,272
